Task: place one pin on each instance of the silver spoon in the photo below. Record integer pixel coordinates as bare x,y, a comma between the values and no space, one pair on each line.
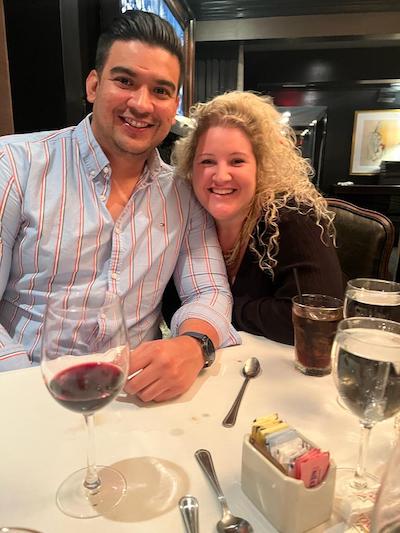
228,522
251,369
189,507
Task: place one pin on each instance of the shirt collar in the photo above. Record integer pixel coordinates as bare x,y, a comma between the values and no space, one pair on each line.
91,153
96,161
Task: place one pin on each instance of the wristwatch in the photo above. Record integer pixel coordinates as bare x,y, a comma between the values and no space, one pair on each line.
206,344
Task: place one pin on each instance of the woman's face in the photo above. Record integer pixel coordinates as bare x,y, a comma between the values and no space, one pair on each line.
224,173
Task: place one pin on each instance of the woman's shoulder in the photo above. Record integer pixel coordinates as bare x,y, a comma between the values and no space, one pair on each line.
290,214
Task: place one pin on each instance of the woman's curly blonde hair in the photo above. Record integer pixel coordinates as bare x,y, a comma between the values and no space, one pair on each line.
283,175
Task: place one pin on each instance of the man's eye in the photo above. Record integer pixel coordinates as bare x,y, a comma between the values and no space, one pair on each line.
123,81
162,91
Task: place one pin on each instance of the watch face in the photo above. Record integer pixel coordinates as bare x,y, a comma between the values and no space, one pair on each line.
206,345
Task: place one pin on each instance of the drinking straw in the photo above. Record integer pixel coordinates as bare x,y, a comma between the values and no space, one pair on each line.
296,279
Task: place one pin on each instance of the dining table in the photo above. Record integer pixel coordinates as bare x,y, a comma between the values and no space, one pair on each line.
153,444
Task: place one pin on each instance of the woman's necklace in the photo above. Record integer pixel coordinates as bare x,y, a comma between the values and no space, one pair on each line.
232,267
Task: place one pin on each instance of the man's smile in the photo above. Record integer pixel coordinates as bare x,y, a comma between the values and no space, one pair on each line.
136,123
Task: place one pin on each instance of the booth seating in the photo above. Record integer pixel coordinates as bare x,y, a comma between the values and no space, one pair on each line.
364,240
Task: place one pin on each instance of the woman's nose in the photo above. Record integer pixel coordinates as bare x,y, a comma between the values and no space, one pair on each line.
140,100
222,174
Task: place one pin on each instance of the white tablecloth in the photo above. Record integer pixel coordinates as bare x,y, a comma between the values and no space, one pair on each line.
41,443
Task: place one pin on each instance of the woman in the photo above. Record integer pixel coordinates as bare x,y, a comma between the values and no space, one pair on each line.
248,174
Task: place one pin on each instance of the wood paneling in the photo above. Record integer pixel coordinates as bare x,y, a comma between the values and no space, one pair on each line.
233,9
6,116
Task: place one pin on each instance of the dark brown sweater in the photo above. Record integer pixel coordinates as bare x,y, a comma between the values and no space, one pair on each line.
262,305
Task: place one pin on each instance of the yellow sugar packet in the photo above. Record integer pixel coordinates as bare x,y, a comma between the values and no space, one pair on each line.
263,421
266,425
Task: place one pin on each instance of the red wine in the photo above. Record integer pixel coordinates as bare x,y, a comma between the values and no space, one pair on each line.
87,387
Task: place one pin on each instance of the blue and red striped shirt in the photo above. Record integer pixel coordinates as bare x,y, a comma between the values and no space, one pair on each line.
56,233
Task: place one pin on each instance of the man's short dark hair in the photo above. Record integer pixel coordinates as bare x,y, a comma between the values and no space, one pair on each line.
136,25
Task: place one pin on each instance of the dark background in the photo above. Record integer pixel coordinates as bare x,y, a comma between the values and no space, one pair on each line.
49,64
332,79
51,49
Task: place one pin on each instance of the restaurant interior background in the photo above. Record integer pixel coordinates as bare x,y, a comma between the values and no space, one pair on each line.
332,57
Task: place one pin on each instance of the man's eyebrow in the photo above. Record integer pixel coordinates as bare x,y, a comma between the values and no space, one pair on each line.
133,74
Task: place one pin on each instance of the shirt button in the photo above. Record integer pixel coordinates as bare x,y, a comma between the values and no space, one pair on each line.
102,197
117,231
114,275
106,170
93,173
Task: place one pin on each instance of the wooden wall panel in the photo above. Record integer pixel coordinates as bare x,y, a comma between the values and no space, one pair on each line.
6,115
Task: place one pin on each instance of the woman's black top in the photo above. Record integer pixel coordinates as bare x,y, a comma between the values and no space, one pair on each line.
262,304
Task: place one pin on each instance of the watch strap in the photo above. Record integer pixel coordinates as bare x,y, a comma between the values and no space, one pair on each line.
206,344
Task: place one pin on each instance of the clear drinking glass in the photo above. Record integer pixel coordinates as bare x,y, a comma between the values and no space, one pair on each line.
366,370
84,364
376,298
372,297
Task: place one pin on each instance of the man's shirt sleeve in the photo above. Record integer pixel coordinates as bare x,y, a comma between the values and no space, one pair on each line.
12,354
201,280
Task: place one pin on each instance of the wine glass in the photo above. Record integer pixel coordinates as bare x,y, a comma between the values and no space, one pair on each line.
366,370
376,298
84,364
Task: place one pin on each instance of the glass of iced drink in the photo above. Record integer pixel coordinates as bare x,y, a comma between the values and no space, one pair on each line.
315,319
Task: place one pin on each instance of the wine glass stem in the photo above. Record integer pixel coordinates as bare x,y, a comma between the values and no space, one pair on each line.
92,481
360,481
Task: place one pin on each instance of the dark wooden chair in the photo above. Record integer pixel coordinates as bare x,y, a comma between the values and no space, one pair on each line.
364,240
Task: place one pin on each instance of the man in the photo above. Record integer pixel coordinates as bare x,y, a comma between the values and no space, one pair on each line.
94,207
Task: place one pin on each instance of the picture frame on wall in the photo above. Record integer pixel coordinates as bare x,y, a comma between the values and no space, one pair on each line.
376,138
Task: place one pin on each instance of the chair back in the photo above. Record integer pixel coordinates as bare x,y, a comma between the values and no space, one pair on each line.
364,240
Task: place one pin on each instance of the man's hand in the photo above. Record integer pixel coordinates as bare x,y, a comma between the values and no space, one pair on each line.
169,368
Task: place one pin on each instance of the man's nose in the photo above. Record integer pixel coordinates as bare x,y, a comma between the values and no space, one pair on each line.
140,100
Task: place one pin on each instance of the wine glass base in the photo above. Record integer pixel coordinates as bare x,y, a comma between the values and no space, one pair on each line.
75,500
352,501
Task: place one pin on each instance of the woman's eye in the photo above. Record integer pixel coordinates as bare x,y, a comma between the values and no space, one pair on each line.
238,161
206,162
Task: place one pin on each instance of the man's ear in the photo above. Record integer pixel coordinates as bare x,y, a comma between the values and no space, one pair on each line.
92,82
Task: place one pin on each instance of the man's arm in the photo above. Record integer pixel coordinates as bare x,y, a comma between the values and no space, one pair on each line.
167,368
201,281
12,354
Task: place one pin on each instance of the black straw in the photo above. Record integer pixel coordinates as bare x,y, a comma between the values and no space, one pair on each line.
296,279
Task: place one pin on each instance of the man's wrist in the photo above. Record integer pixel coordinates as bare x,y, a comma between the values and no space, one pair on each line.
206,345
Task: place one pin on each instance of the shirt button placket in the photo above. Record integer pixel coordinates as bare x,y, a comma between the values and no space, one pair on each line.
117,231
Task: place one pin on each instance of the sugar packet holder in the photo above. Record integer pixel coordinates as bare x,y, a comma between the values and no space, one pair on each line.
285,501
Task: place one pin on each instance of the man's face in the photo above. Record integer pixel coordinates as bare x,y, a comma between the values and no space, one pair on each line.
134,99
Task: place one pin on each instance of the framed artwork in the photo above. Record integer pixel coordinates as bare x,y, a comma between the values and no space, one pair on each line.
376,138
